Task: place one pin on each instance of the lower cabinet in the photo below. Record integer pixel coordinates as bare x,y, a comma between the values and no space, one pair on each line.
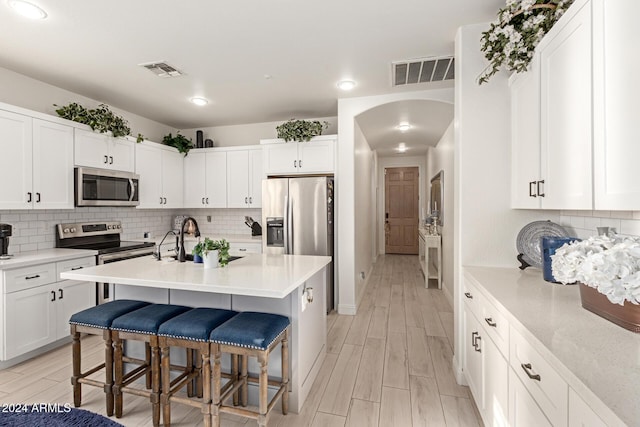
581,414
523,409
36,314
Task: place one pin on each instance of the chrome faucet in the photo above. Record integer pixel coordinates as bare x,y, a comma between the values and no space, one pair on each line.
182,256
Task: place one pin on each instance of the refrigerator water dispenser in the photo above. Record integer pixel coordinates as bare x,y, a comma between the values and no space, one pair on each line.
275,232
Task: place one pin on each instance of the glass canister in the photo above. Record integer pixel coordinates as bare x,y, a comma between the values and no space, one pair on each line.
549,246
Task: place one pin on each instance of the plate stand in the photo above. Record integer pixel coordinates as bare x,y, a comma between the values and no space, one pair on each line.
523,264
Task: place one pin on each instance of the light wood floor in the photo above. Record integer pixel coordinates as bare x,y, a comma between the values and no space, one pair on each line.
388,366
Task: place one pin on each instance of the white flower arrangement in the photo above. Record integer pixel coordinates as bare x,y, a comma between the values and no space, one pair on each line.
612,266
514,35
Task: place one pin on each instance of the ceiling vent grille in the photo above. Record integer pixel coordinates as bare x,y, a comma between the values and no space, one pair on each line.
422,70
162,69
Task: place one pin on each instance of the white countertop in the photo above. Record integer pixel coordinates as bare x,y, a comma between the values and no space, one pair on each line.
26,259
273,276
591,351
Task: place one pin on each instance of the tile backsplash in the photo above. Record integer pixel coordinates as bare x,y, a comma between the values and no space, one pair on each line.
583,223
34,230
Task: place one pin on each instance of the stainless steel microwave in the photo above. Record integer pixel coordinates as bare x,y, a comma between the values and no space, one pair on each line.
102,187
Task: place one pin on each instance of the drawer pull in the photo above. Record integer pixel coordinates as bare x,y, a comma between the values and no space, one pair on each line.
76,268
474,335
61,294
477,346
468,295
53,296
490,322
242,250
527,369
32,277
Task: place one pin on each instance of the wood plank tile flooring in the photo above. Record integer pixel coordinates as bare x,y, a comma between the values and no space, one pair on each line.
388,366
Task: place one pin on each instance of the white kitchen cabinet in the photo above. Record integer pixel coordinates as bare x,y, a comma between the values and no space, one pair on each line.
37,161
99,150
284,158
161,176
37,305
581,414
486,369
205,179
523,410
615,101
242,248
565,119
244,178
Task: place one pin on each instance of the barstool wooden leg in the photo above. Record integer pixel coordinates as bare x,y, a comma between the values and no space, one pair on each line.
215,403
244,390
108,368
198,380
75,355
147,358
155,381
119,367
263,383
234,376
166,384
206,389
188,367
285,372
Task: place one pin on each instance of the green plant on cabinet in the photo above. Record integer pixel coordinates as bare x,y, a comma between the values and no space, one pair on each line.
100,119
179,142
300,130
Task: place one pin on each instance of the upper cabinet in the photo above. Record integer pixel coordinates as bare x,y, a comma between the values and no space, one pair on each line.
244,178
99,150
37,163
205,179
573,114
286,158
161,176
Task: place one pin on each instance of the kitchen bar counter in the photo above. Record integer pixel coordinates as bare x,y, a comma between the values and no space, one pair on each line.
26,259
272,276
596,357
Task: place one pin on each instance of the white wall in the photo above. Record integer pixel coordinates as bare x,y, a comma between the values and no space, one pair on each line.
364,209
440,158
485,228
399,162
36,95
249,134
348,109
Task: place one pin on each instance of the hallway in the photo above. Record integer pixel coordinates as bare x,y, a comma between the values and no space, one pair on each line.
388,366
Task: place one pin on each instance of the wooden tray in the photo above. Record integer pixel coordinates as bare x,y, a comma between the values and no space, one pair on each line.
627,315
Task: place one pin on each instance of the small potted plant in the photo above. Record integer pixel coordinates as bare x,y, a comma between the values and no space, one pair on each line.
214,252
197,252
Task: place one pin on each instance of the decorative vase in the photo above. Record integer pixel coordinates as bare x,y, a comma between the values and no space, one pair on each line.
210,259
197,259
627,315
549,246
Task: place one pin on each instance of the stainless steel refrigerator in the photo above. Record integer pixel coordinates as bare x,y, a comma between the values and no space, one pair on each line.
297,214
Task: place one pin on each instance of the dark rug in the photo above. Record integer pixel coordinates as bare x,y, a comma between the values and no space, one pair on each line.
51,415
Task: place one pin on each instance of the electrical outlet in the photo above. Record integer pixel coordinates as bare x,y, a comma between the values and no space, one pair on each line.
208,218
147,234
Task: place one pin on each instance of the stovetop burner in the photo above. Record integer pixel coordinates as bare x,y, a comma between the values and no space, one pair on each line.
101,236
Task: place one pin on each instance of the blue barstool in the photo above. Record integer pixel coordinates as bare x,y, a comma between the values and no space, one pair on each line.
97,321
250,334
189,330
141,325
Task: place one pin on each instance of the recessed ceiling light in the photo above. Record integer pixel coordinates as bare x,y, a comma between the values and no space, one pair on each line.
402,147
346,84
403,127
28,10
199,101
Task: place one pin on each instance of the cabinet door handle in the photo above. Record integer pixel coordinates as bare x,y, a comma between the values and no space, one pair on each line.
60,294
242,250
29,197
474,335
110,160
250,200
468,295
490,322
106,159
477,346
160,200
53,296
246,200
32,277
299,163
207,199
530,374
532,191
295,163
76,268
165,200
38,197
203,200
540,193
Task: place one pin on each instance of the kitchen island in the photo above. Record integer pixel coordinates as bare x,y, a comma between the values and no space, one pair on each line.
281,284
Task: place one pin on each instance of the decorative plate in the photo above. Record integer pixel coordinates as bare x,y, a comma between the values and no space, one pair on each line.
529,242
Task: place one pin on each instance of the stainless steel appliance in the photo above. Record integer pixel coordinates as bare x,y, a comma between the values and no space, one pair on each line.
105,238
297,214
5,233
101,187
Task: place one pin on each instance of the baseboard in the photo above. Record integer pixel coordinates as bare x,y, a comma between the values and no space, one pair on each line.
33,353
348,309
458,372
364,287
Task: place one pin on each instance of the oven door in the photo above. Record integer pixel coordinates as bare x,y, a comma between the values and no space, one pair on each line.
103,291
100,187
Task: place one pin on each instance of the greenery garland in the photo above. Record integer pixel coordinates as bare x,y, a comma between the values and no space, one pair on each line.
300,130
100,119
514,35
180,142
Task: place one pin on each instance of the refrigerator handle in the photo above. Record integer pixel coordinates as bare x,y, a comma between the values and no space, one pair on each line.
290,225
286,224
